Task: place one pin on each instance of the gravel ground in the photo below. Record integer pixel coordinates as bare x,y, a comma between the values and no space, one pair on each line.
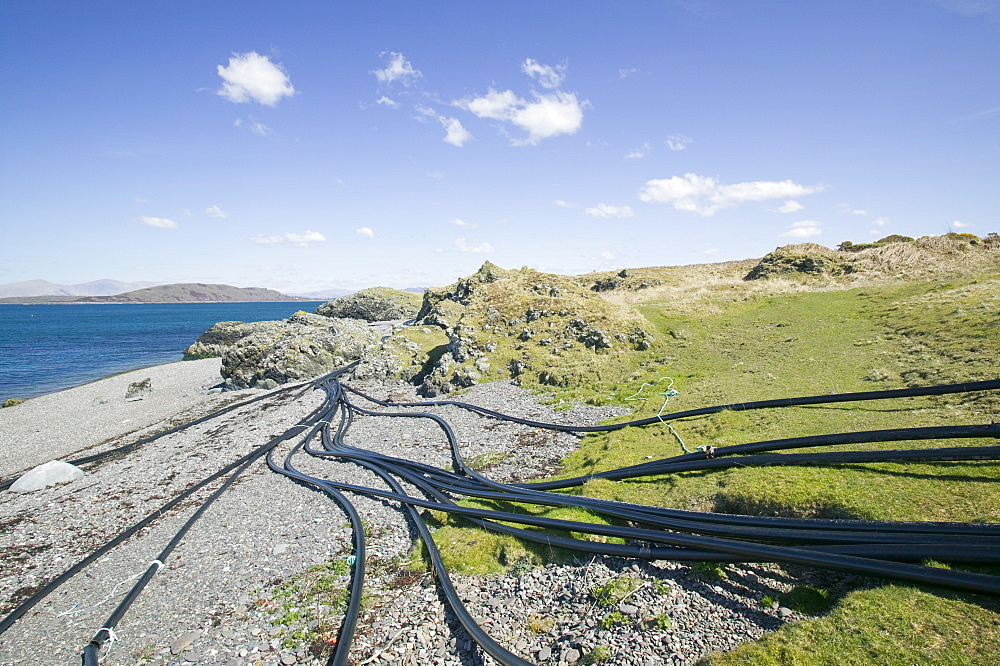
260,579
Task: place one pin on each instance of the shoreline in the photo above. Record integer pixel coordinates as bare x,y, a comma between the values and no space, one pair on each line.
60,424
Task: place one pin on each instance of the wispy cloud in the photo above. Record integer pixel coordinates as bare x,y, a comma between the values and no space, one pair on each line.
215,211
295,240
640,152
790,206
803,229
463,224
251,77
159,222
547,76
397,69
605,210
678,141
565,204
365,231
385,101
882,221
625,73
958,224
473,247
455,133
705,196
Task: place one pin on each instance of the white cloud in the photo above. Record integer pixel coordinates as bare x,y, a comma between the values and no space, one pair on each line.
397,68
605,210
259,128
455,134
365,231
391,103
859,211
790,206
462,245
548,115
678,141
803,229
565,204
159,222
140,200
705,196
436,175
253,77
607,256
957,224
463,224
641,152
625,73
711,250
238,122
296,240
882,221
547,77
215,211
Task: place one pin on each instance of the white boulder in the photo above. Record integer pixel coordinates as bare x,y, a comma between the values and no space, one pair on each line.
47,474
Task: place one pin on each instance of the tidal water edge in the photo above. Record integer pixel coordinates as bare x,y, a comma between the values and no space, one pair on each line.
46,348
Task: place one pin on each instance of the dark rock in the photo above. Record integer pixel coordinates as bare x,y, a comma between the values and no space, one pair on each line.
138,390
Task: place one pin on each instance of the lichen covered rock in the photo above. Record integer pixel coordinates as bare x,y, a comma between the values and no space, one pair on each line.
523,325
375,304
803,259
299,348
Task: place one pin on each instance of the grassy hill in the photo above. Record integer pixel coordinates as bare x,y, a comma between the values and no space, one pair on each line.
805,320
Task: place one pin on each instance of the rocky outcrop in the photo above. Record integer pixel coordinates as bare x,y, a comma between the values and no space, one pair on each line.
803,259
524,325
216,340
265,354
375,304
298,348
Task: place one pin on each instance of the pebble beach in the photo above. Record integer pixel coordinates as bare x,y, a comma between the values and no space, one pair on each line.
237,589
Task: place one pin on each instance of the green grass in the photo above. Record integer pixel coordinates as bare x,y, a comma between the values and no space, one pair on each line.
735,345
885,626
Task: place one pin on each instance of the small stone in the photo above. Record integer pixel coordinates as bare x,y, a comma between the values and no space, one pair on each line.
288,659
138,390
545,653
628,609
571,656
280,549
784,611
184,641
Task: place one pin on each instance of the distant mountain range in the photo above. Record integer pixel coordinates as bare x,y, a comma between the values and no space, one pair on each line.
95,288
169,293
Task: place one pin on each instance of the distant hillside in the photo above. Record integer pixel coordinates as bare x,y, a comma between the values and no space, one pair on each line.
173,293
30,288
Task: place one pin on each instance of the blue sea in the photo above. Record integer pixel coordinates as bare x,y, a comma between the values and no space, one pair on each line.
46,348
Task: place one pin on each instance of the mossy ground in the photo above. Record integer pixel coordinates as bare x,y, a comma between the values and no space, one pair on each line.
727,342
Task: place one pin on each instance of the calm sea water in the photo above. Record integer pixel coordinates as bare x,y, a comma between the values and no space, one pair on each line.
45,348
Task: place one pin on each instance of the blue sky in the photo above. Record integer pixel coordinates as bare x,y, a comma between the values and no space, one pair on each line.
313,145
